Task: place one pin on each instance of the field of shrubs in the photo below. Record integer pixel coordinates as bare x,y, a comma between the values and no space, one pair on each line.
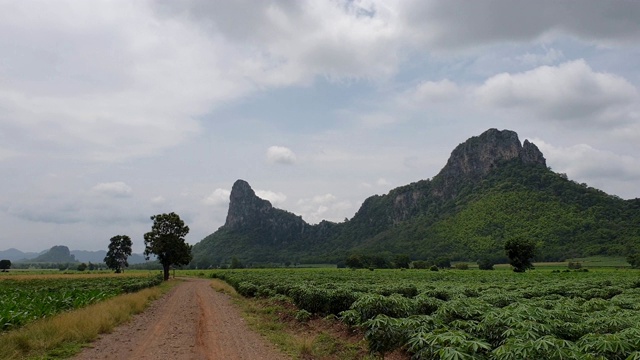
469,314
24,300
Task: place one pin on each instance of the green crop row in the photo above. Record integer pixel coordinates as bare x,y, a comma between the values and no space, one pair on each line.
22,301
468,314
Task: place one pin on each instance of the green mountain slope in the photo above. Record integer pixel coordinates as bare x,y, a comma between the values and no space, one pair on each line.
493,188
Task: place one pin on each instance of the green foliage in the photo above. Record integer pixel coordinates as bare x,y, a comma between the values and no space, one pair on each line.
118,252
5,265
23,301
513,201
166,241
471,314
485,264
574,265
634,260
82,267
236,263
303,316
520,253
420,264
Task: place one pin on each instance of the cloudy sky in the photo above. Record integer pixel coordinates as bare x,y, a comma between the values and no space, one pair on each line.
113,111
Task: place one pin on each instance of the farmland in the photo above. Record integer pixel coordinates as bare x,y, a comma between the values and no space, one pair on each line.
467,314
25,298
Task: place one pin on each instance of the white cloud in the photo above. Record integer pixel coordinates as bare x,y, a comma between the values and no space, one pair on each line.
116,189
158,200
569,92
323,199
218,197
550,57
275,198
599,168
429,92
280,155
291,42
321,207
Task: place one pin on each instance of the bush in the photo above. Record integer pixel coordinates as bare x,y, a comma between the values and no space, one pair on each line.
420,264
462,266
574,265
433,268
303,316
485,264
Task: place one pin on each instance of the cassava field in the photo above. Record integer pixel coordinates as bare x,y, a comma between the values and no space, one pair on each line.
466,314
28,297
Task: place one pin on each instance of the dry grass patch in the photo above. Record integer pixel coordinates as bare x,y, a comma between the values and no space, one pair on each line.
221,286
64,334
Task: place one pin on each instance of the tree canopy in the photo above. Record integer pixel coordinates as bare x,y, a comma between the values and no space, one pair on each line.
520,253
119,251
5,265
166,241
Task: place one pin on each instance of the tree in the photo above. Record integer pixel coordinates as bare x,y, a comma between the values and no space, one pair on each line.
5,265
82,267
236,264
119,251
634,260
485,264
443,262
402,261
166,241
354,262
520,253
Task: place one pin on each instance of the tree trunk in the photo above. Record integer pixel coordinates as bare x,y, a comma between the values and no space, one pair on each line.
166,272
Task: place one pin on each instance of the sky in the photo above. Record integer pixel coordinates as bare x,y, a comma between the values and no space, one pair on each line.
114,111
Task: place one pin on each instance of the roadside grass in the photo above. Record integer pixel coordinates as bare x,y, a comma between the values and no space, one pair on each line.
275,319
64,335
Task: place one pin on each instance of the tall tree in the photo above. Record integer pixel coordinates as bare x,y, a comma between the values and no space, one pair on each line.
119,251
520,253
166,241
5,265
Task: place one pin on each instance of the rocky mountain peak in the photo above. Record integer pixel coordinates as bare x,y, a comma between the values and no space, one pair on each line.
477,156
244,205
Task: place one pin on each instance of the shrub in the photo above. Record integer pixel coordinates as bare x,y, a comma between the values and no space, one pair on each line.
485,264
574,265
303,316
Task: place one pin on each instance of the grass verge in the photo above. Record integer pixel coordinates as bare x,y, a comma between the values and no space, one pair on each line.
64,335
318,338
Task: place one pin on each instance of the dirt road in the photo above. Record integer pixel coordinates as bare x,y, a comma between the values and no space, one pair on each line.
190,322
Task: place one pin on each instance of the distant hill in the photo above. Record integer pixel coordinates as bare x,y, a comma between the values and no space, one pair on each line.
57,254
98,256
493,188
85,256
16,255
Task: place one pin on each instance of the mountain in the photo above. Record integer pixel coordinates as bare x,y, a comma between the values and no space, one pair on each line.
98,256
95,257
492,188
57,254
16,255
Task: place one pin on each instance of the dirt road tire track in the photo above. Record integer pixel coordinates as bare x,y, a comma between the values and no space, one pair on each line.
190,322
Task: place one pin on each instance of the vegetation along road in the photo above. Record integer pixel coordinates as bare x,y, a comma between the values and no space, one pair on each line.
192,321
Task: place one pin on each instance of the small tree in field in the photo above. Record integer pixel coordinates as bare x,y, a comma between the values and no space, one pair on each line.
119,251
5,265
520,253
166,241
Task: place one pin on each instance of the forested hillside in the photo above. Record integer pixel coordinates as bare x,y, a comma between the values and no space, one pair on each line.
492,189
